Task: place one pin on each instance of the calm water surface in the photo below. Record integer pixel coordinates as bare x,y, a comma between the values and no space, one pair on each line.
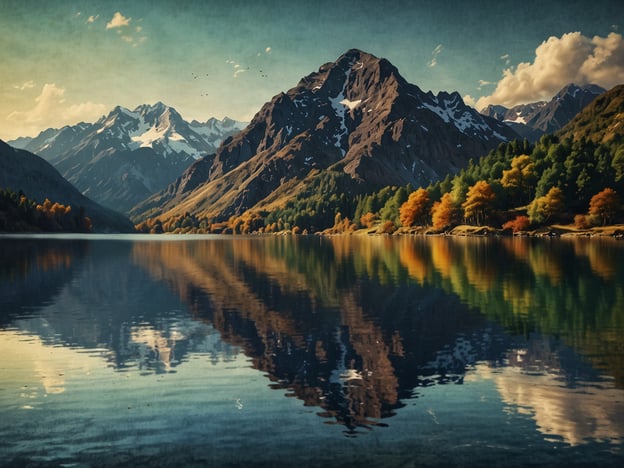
213,351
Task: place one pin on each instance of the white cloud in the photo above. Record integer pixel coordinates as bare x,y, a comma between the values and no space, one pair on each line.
118,21
92,19
132,36
237,67
267,50
469,100
434,56
27,85
571,58
52,110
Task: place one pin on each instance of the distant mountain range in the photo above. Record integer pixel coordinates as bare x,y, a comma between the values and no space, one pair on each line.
357,116
533,120
38,180
127,156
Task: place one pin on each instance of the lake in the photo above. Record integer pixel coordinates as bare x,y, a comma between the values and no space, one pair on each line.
284,351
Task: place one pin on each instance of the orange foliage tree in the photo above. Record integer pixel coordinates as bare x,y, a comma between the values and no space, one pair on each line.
415,209
479,201
443,212
59,217
369,219
519,223
604,206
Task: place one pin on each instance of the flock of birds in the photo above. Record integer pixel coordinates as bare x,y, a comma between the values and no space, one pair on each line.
195,76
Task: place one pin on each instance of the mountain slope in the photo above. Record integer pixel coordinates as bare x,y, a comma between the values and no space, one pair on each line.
357,116
602,121
22,170
127,156
536,119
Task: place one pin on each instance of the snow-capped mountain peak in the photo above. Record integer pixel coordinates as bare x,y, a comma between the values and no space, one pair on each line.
128,155
163,129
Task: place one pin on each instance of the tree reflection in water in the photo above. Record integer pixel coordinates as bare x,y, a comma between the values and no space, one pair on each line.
354,326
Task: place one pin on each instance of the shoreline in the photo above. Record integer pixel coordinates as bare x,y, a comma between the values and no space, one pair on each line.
464,230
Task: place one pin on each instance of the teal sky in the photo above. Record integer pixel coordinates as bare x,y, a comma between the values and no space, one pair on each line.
67,61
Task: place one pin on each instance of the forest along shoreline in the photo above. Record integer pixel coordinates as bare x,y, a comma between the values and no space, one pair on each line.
465,230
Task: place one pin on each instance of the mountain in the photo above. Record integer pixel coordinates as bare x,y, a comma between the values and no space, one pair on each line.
38,180
357,116
533,120
127,156
602,121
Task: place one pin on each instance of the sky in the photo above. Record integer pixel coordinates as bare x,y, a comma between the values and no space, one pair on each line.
63,62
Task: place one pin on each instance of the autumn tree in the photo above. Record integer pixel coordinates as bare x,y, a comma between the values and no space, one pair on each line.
387,227
519,223
443,212
368,219
521,177
416,209
604,206
542,209
479,201
341,225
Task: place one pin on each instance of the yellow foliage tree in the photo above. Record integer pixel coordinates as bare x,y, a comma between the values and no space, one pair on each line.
542,209
521,176
479,201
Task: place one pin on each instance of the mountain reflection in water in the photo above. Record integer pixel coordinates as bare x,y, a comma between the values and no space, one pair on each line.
354,327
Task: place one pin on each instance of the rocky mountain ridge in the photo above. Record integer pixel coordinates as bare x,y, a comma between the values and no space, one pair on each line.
356,116
533,120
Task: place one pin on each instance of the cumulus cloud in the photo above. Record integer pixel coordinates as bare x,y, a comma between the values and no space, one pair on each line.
118,21
92,18
469,100
52,110
129,35
571,58
434,56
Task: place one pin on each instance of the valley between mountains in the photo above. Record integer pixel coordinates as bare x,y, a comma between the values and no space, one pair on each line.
351,145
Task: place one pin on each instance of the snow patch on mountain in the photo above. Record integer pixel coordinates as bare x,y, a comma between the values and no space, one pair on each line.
351,104
452,110
340,108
